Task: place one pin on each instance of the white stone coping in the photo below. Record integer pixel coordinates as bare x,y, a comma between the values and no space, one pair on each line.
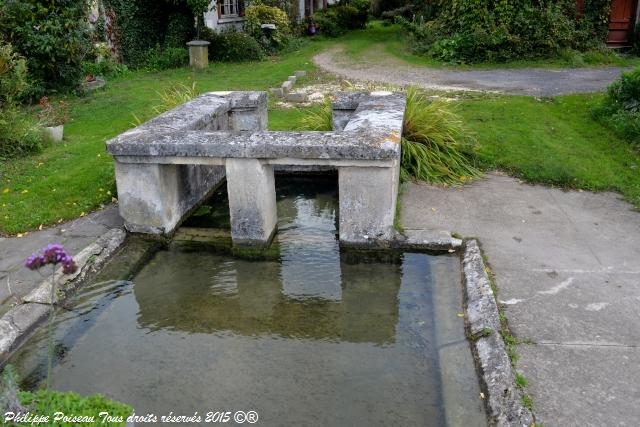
373,131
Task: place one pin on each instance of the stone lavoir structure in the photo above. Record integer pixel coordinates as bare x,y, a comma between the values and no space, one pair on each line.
168,165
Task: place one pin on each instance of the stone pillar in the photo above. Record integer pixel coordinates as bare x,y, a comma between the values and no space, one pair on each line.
199,54
155,198
148,196
252,201
368,197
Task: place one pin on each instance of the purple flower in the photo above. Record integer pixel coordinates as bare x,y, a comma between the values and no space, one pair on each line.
35,261
52,254
68,265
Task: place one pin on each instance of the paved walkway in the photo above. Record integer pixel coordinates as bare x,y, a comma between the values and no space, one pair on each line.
74,236
567,267
383,68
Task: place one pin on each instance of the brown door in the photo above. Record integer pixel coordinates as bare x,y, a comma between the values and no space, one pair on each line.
621,22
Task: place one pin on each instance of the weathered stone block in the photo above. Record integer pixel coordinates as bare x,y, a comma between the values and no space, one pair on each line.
297,97
252,201
292,79
277,92
300,73
286,86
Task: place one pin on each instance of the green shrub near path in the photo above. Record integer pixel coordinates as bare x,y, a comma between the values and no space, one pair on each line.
620,109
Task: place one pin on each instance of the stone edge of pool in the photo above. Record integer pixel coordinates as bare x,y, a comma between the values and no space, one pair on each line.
503,399
22,320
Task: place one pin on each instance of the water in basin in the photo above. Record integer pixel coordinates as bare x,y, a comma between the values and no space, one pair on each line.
311,336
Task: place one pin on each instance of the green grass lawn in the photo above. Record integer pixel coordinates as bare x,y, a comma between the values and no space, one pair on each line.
553,141
547,141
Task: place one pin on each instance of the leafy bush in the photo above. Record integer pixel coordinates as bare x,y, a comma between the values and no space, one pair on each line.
13,75
53,36
179,30
498,31
336,20
19,133
259,14
160,58
232,46
620,110
104,68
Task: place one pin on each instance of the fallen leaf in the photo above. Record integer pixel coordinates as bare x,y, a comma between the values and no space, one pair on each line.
481,395
24,191
19,235
40,228
451,251
82,214
6,190
460,314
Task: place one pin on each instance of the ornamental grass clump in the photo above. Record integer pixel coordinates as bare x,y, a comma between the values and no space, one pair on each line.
436,146
319,120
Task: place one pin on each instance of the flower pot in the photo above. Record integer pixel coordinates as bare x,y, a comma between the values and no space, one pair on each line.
54,133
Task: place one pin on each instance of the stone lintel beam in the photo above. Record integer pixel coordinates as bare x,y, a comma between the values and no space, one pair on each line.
370,144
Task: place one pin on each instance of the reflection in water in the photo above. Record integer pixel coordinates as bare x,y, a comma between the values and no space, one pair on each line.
316,338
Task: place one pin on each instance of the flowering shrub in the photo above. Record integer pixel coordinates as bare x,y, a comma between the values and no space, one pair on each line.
259,14
52,114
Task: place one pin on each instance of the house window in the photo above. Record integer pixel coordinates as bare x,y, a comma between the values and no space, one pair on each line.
230,8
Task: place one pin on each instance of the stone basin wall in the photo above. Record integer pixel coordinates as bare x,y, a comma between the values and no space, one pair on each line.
168,165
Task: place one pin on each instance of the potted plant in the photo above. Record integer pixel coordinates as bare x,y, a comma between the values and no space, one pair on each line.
52,118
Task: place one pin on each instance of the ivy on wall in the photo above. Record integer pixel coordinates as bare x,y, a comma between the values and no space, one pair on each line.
596,17
136,26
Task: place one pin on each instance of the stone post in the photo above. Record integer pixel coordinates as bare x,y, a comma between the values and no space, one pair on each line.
252,201
199,54
368,197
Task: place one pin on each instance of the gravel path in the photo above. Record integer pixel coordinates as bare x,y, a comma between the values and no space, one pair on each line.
525,81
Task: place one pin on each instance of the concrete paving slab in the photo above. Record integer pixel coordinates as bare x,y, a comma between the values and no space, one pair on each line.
583,385
569,278
591,308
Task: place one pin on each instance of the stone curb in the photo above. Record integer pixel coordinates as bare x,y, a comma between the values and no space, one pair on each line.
22,320
504,399
432,240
